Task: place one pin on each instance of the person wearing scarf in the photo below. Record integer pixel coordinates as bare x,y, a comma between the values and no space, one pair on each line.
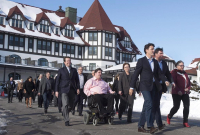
180,92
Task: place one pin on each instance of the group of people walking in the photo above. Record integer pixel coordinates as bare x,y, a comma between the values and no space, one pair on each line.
150,79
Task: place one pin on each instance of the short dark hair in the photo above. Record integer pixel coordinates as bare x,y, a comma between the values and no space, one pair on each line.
96,70
126,64
66,58
178,62
147,46
157,50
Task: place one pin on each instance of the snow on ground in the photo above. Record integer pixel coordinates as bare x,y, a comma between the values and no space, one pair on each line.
166,104
3,121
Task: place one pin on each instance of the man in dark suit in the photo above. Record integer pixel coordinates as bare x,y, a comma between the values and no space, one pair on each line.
165,70
79,98
10,88
46,88
125,98
67,82
150,76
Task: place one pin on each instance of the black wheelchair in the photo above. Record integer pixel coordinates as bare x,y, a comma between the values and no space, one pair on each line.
93,114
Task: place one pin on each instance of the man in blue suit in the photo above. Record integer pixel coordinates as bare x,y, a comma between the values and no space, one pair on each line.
67,82
150,76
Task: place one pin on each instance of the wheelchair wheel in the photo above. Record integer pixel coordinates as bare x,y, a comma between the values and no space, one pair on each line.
86,118
110,120
95,121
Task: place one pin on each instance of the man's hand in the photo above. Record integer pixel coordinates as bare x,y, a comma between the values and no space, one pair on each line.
130,92
95,93
56,94
120,92
167,83
140,94
32,90
52,92
113,92
24,91
186,89
38,93
78,91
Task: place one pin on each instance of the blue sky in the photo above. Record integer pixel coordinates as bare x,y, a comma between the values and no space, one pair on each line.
171,24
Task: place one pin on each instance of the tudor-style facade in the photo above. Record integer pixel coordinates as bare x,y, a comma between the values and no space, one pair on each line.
35,40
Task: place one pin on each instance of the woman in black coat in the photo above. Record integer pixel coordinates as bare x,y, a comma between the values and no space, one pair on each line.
115,88
40,98
29,87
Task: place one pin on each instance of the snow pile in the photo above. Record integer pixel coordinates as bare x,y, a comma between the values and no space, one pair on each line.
166,104
193,65
3,122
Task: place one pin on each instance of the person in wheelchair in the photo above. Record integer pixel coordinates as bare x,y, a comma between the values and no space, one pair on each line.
100,92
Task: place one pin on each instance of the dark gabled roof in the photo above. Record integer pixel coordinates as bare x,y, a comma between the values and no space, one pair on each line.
97,19
66,21
192,71
13,11
40,17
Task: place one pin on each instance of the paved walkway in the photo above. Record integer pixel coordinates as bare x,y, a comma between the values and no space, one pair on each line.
32,121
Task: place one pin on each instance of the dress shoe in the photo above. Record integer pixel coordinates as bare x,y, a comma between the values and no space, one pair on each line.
153,130
45,111
73,112
67,123
161,127
186,125
129,121
141,129
60,111
81,114
8,101
168,119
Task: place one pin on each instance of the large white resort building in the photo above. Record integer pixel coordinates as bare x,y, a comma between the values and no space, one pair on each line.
34,40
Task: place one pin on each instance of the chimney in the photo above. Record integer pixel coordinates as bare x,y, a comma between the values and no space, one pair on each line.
60,9
71,13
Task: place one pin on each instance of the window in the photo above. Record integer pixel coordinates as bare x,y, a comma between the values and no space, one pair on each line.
56,47
44,26
17,21
79,51
43,62
126,57
30,43
92,50
56,31
16,77
11,39
123,57
31,26
108,51
69,49
127,42
92,36
16,41
1,38
69,32
21,42
39,45
118,56
16,59
48,46
92,66
1,20
109,37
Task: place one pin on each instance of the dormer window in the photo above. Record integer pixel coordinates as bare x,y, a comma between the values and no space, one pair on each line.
127,42
31,27
1,20
69,32
17,21
44,26
56,31
109,37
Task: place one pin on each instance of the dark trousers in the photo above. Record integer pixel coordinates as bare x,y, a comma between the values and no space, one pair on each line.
186,104
103,100
46,99
10,95
156,107
67,101
40,100
147,112
117,102
59,101
79,101
126,101
20,95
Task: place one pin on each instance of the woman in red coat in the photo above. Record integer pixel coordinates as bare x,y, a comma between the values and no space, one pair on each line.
180,92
